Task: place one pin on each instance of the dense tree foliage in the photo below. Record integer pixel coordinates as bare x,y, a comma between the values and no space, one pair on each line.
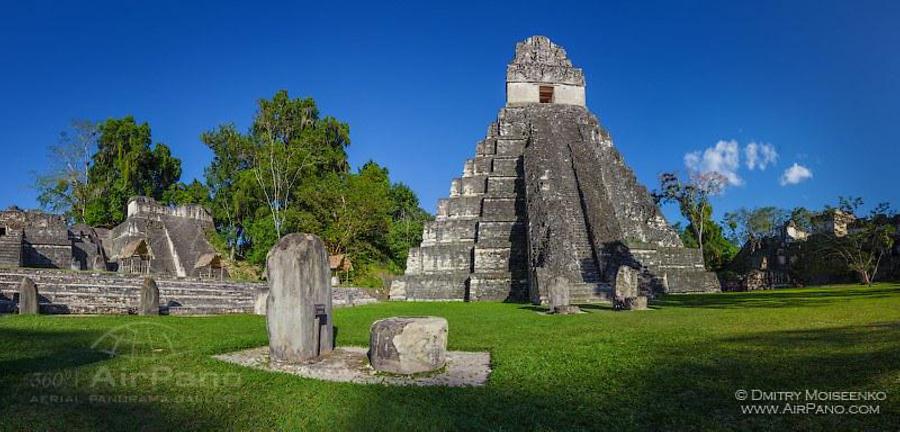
126,164
289,173
96,168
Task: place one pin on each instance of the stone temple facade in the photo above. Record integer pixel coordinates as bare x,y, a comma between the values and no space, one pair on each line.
546,196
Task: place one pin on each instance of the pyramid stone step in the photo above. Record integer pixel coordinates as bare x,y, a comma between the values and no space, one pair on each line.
501,233
432,287
501,286
590,293
459,207
503,186
438,259
507,166
469,186
502,209
449,231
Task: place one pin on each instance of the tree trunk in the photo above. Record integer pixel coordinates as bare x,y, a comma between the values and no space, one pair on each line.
864,278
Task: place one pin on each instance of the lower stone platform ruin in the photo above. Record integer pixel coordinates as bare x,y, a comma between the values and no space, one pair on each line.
350,364
547,196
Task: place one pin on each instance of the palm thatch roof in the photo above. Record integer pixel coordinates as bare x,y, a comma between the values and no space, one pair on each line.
136,247
212,260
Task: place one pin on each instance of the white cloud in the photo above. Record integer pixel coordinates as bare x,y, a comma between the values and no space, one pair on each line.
760,155
795,174
724,159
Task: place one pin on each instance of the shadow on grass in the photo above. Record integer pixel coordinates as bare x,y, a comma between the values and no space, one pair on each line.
59,380
682,387
776,298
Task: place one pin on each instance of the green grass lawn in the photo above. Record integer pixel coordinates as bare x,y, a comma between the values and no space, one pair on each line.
673,368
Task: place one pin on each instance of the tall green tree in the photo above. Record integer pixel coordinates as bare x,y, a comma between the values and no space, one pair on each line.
232,187
287,142
126,164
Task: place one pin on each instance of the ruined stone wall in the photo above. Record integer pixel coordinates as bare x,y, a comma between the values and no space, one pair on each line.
148,206
44,239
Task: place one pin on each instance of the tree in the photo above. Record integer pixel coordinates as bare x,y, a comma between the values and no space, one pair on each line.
692,198
802,218
289,173
755,223
866,243
126,165
64,188
191,193
407,223
231,185
718,251
287,141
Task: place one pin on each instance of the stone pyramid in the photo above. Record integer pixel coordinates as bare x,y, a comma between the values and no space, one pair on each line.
546,195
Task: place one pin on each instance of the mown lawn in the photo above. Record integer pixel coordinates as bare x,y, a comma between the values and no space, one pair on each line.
676,367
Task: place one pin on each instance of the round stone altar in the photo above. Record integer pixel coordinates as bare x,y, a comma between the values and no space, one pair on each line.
406,346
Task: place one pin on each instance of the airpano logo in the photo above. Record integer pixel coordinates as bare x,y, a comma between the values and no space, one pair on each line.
126,362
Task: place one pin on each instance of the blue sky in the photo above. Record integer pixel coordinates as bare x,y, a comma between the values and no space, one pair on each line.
817,82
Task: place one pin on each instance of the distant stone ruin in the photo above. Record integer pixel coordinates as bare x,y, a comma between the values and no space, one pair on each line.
160,239
546,196
37,239
153,239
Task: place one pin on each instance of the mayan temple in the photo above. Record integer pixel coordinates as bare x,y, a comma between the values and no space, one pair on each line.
546,196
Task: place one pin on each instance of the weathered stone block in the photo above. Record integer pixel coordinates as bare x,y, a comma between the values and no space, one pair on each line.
503,185
486,147
508,166
149,298
627,293
298,308
408,345
28,297
259,305
511,147
558,291
473,185
445,258
489,260
501,209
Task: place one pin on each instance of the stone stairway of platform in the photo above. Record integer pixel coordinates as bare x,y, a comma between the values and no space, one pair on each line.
10,249
110,293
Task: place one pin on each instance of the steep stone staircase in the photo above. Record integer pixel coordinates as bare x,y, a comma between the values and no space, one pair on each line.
475,248
10,248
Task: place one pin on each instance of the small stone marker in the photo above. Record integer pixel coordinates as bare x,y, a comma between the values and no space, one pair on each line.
28,297
627,294
298,307
149,298
408,345
262,296
558,291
